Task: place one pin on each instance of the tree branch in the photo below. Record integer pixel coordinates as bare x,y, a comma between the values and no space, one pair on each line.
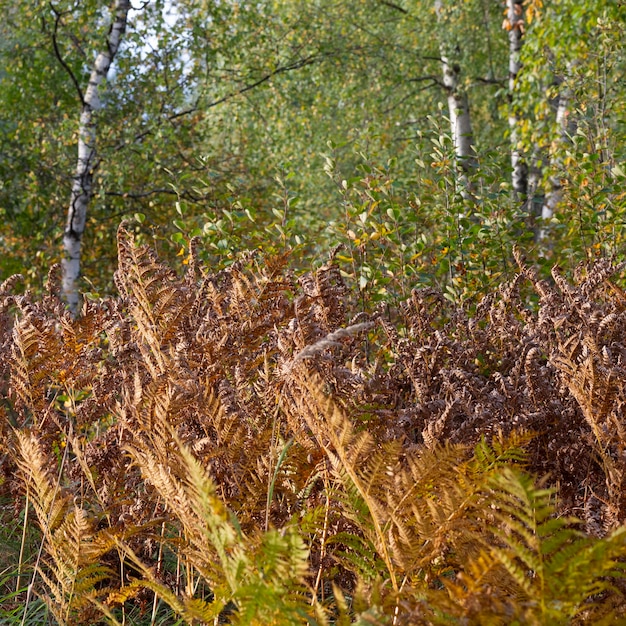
237,92
491,81
140,195
137,195
420,79
392,5
284,68
433,82
59,56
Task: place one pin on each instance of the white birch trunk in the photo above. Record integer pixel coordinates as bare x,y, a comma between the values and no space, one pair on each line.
460,120
515,26
534,194
555,190
564,128
82,186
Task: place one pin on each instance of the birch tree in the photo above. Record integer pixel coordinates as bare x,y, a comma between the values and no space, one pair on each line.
525,173
515,24
567,70
82,187
458,107
564,128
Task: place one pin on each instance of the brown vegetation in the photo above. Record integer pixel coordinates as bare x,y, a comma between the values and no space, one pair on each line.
249,447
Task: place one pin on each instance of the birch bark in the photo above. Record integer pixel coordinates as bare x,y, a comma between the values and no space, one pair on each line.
555,190
565,127
514,24
82,185
459,112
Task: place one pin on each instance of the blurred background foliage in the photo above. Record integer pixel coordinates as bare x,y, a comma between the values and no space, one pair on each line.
292,125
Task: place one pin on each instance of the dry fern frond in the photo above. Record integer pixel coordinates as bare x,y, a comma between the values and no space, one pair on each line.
70,567
227,408
262,575
156,299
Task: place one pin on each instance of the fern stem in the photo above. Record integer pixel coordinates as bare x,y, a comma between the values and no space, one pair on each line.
23,542
318,578
178,565
159,566
271,473
270,491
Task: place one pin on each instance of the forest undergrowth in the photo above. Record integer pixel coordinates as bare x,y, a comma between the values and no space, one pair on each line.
246,446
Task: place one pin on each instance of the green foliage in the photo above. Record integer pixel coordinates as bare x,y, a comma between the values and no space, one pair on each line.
554,567
220,117
397,240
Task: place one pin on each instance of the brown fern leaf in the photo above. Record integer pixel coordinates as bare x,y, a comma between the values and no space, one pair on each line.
155,298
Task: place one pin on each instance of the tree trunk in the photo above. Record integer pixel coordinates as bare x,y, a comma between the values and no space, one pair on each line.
82,186
564,128
460,120
514,24
555,190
